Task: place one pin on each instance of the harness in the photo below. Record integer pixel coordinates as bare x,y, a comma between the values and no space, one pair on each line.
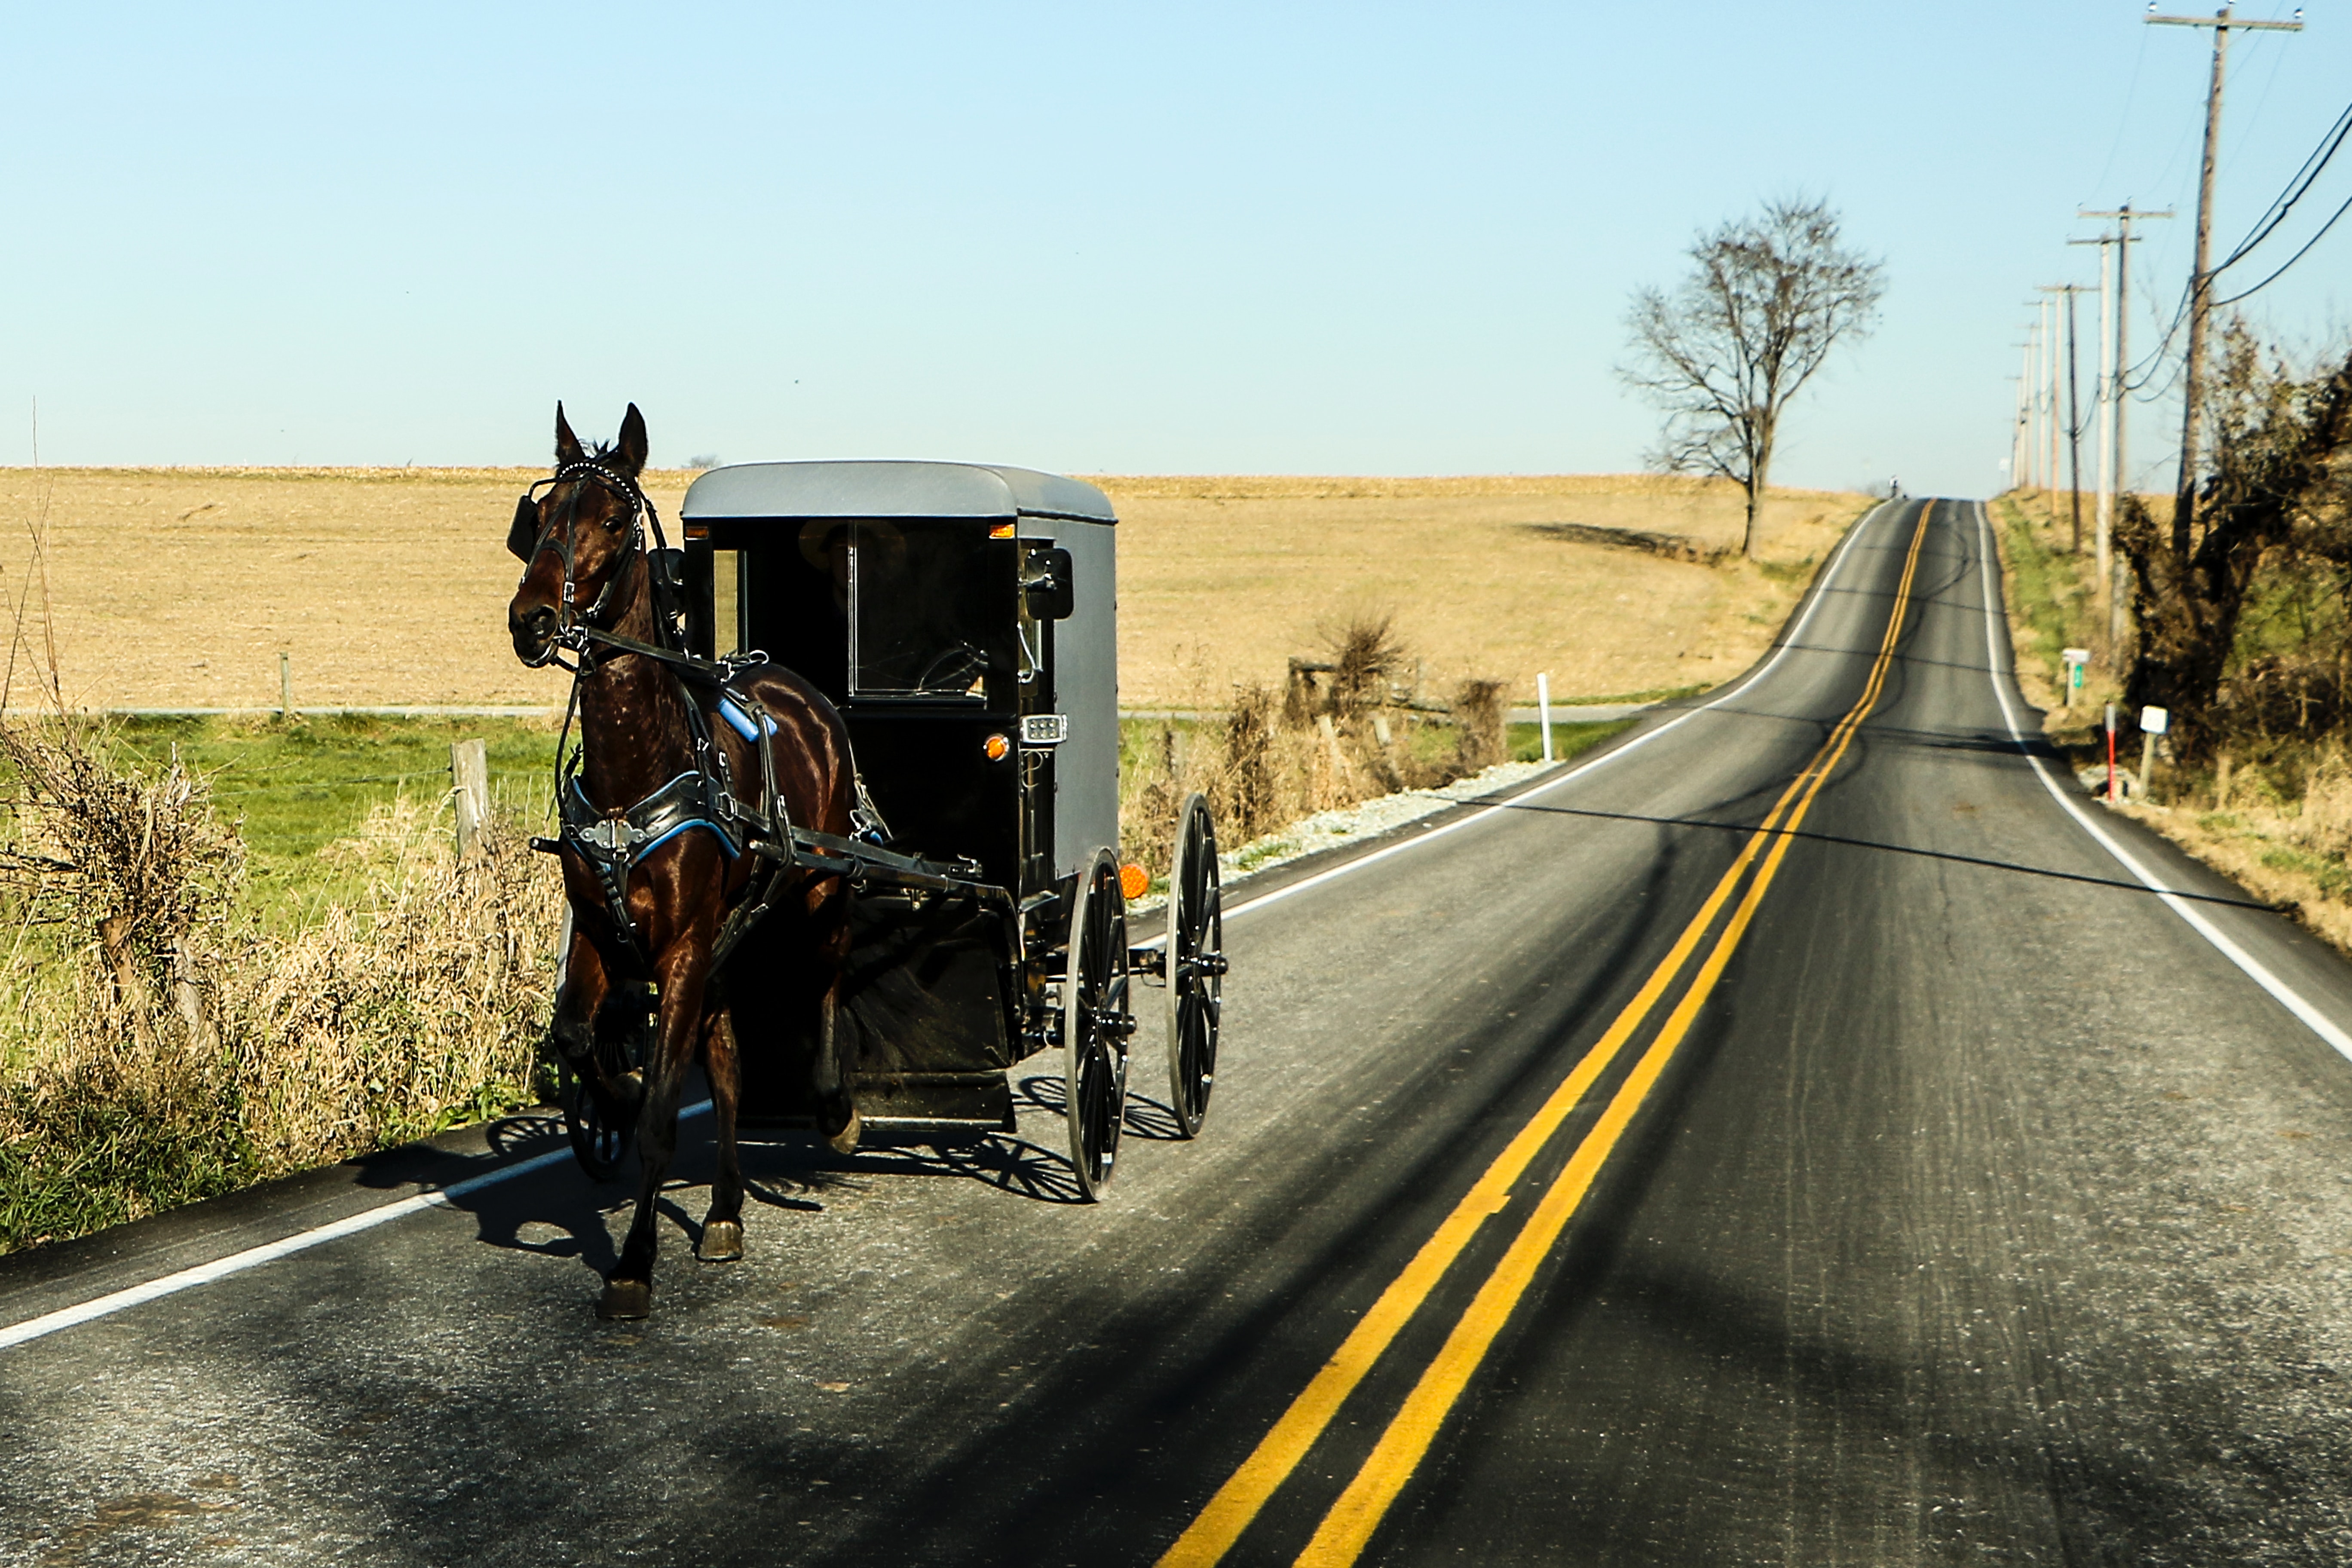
613,841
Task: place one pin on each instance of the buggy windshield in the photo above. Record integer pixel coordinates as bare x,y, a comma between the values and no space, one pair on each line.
926,610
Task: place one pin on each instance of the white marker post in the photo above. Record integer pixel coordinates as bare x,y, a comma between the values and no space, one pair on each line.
2153,721
2076,659
1543,710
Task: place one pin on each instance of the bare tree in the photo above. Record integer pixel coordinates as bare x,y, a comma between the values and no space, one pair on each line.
1768,298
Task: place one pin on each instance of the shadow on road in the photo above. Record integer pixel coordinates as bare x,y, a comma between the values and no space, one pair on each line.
1991,865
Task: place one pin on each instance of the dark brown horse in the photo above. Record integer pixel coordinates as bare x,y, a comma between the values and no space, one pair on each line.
588,584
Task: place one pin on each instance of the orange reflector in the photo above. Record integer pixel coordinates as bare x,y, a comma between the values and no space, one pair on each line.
1133,879
996,746
697,531
1002,531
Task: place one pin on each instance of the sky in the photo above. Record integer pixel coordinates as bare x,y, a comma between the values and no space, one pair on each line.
1256,238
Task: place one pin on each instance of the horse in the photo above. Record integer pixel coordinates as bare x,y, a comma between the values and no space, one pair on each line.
662,821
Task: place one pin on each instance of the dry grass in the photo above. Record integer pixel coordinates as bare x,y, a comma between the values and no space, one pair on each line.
2288,852
178,587
1219,575
1349,734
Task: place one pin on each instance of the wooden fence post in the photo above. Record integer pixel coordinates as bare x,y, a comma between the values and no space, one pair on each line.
470,774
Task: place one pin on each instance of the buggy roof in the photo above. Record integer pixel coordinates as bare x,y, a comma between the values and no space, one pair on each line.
890,488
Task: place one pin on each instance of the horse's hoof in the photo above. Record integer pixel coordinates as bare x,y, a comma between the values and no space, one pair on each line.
626,1300
722,1241
846,1141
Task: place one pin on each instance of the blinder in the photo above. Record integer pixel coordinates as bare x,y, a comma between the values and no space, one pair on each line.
525,532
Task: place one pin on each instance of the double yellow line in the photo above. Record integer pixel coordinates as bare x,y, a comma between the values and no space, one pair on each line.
1349,1524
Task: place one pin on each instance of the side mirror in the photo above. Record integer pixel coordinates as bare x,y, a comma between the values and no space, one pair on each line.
1052,594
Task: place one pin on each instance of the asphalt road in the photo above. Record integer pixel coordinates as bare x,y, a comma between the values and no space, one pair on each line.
1600,1182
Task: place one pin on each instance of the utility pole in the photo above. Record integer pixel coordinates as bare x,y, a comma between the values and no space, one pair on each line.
2123,216
2041,387
2034,376
2049,390
2020,437
2201,278
2106,416
2073,409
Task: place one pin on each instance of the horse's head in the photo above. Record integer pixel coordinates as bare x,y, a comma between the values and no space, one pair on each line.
577,534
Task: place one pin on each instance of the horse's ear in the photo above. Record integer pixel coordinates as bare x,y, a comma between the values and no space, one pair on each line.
633,446
567,445
525,532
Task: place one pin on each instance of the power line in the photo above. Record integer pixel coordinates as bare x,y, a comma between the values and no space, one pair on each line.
2297,189
2142,371
2290,260
2123,125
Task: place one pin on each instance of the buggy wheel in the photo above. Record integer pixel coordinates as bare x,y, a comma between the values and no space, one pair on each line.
598,1142
1095,1023
602,1129
1195,960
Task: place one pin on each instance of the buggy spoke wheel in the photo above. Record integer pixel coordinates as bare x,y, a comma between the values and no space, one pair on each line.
1195,965
602,1131
1095,1023
598,1142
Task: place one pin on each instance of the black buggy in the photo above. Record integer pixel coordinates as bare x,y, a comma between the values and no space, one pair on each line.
963,620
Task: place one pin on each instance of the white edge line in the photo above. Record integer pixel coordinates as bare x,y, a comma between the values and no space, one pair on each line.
352,1225
1795,638
2254,970
271,1251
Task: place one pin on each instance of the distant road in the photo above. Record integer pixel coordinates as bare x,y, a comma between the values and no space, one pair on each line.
1793,1136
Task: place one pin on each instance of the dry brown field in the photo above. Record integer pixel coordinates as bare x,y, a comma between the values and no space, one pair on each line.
180,587
1224,579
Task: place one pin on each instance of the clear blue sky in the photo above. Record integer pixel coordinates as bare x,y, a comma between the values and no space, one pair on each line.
1106,238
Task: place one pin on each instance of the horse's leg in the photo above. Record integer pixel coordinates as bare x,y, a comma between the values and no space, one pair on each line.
684,968
723,1229
843,1124
586,985
837,1116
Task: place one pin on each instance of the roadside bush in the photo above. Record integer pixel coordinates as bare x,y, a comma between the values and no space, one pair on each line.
160,1046
1477,724
1342,731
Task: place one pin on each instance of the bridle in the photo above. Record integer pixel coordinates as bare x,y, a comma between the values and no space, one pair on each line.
574,626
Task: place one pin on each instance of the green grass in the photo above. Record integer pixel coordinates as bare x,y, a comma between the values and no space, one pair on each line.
2334,878
1654,694
1524,742
2049,589
295,788
1787,571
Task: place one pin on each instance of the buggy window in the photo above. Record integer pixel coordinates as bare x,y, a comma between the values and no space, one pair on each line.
927,610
